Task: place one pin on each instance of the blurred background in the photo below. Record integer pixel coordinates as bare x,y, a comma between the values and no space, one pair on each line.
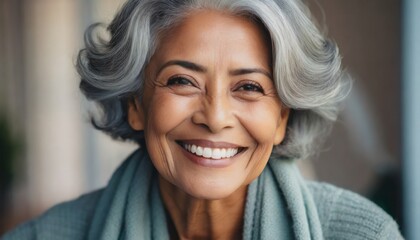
49,153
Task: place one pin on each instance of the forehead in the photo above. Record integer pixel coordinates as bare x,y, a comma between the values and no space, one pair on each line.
204,31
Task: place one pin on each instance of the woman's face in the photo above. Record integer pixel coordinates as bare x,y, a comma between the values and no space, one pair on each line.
210,111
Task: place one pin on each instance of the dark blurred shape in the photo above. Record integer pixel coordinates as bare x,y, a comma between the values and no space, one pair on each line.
10,146
387,193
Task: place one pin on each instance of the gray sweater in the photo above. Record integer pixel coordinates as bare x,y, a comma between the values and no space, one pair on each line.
343,215
280,205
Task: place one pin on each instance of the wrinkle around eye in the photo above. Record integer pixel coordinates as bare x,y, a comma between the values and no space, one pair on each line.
253,96
248,89
180,80
181,85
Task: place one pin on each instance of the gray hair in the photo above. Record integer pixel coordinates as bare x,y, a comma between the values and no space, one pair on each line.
306,66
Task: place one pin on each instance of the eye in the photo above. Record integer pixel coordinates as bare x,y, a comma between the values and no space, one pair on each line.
182,85
179,80
250,86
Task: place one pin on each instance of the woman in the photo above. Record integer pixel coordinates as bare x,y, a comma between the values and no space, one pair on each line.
222,96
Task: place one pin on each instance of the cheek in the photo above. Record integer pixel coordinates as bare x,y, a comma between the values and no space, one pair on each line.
166,111
261,121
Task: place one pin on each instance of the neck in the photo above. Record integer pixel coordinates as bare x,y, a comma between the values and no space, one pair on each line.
193,218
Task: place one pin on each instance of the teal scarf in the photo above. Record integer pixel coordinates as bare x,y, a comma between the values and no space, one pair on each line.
278,205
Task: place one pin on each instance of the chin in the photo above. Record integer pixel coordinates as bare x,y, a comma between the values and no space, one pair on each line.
211,191
210,195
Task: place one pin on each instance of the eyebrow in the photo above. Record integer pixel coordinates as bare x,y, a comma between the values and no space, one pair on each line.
243,71
199,68
185,64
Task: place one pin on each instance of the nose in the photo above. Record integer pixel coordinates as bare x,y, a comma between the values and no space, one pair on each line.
215,113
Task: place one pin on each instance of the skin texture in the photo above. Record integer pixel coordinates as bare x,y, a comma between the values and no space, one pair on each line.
209,84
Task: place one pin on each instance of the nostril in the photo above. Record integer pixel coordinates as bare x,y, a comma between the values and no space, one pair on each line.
199,118
213,116
204,126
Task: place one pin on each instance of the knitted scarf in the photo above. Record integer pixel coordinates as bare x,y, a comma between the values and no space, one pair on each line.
278,205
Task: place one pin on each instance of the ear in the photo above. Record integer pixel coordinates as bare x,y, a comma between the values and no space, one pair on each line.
135,115
281,125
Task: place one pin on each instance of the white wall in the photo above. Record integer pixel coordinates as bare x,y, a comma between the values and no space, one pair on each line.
64,156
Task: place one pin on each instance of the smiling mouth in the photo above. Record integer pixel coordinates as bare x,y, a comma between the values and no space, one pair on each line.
213,153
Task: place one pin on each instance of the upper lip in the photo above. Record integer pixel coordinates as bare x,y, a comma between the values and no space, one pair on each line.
209,144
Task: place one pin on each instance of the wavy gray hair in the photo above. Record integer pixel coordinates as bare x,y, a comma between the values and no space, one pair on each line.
306,66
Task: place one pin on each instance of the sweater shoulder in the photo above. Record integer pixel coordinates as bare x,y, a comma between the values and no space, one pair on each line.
347,215
68,220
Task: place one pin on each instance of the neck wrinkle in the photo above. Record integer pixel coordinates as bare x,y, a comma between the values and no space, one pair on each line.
203,219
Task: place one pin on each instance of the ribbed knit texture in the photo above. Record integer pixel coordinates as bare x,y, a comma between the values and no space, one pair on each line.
279,205
346,215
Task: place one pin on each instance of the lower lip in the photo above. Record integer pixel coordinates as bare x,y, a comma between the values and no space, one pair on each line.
208,162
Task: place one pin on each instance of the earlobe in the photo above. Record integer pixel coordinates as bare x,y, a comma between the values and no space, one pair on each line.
135,115
282,125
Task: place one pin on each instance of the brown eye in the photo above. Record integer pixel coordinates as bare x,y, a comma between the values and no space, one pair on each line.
250,87
179,80
182,85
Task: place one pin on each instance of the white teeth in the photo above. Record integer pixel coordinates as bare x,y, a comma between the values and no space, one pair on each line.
214,153
207,153
192,148
199,151
223,152
217,154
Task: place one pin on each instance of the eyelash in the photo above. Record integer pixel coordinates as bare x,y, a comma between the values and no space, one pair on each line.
176,80
255,87
247,86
